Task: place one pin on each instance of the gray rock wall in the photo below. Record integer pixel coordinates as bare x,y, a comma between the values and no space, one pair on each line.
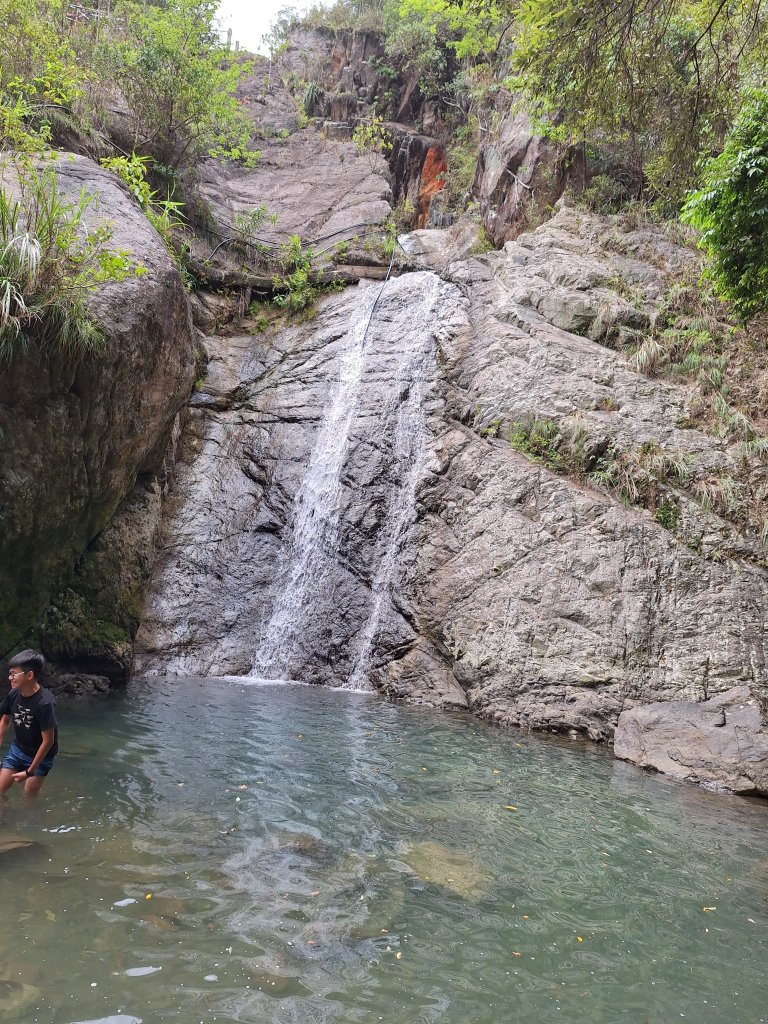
531,597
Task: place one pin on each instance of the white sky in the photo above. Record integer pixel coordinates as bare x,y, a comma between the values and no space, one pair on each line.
250,20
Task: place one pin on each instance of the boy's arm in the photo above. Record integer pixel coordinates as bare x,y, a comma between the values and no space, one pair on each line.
48,738
5,721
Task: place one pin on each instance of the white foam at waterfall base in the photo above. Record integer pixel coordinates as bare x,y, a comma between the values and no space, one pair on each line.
307,561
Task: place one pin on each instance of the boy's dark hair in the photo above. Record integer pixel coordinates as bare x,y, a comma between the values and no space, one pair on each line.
30,661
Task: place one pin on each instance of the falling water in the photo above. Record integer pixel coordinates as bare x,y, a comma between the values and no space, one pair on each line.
309,559
408,457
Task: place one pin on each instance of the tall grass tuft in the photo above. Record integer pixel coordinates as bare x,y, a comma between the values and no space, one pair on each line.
49,263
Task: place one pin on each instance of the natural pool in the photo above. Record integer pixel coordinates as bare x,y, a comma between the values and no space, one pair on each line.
214,851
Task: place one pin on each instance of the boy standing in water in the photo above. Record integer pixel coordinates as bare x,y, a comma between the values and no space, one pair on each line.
32,709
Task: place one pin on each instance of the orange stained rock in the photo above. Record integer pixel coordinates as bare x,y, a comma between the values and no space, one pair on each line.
432,181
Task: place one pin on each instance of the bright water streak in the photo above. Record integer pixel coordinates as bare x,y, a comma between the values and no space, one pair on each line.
313,538
209,851
409,449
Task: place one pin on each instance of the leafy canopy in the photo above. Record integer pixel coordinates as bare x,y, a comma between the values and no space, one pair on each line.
731,210
659,77
179,83
38,70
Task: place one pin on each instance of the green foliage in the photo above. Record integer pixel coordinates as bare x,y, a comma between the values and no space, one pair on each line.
132,171
604,194
313,97
483,244
163,214
667,514
462,162
372,138
638,474
539,440
731,210
360,15
296,292
49,262
249,222
178,83
657,77
466,31
38,71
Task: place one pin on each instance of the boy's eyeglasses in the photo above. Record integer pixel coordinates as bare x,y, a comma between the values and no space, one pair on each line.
16,672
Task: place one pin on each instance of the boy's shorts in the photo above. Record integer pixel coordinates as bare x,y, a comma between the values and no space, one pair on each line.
18,761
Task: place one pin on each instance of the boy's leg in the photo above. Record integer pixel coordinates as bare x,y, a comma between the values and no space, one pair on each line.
32,785
6,779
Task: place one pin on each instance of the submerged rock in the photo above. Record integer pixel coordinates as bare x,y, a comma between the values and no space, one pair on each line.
717,743
450,869
16,996
10,843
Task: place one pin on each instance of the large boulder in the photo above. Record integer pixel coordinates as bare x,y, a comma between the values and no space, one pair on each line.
718,743
77,433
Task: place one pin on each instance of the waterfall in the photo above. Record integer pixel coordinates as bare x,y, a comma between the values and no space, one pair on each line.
313,541
408,454
310,553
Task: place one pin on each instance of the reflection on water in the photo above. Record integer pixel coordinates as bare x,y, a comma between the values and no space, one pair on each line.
212,851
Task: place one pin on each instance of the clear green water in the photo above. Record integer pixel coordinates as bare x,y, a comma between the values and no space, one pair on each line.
370,871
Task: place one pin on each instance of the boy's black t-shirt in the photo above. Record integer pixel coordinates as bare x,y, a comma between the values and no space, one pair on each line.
30,716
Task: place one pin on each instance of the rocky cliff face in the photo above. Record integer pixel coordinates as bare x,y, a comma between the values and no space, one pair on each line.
358,501
445,566
353,508
76,438
556,605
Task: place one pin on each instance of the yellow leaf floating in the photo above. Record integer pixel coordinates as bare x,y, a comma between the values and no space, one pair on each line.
148,896
707,909
510,807
579,938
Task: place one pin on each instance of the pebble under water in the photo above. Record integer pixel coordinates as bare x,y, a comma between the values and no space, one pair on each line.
210,850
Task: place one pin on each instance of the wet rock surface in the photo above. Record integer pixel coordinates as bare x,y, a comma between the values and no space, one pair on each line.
718,743
273,411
